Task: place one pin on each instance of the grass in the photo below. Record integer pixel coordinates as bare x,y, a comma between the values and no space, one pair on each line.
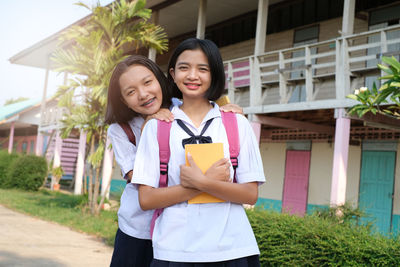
68,210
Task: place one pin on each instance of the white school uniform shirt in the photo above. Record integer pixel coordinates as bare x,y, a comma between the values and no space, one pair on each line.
132,220
209,232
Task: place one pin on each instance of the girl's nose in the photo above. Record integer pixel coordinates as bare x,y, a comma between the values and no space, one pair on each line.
142,93
192,74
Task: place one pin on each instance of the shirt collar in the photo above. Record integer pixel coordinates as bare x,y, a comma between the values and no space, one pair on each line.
212,113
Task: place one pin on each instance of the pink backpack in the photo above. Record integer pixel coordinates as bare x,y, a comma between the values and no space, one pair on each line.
163,132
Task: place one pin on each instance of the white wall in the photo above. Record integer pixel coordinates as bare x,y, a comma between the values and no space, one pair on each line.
273,156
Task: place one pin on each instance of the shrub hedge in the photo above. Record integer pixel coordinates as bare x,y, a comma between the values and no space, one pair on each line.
6,161
286,240
26,172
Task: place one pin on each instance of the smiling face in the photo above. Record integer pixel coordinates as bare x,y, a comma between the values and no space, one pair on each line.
192,73
140,90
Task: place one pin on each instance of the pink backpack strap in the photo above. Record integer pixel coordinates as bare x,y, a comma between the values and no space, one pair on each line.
230,122
163,131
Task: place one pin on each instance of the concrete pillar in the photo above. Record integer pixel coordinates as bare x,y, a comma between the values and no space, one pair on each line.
44,95
343,86
340,156
201,19
57,155
107,169
257,130
80,164
154,19
39,144
11,138
348,17
261,30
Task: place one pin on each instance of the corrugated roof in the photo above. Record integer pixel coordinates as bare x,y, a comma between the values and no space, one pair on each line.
12,109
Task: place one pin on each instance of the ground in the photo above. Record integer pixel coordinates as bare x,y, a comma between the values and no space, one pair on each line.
28,241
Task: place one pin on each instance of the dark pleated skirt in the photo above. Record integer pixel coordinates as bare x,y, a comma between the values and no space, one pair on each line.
250,261
131,252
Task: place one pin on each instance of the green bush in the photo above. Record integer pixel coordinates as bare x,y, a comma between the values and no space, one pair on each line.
6,161
27,172
286,240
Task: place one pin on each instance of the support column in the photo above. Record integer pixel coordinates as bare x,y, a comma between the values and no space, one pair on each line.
107,169
348,17
261,29
256,125
231,85
340,156
11,138
255,82
57,155
80,164
201,19
347,29
154,19
39,144
44,96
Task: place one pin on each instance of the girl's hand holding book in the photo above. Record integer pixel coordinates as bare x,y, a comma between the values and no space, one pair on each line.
220,170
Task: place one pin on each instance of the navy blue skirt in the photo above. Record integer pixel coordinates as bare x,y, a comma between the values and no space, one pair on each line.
131,252
250,261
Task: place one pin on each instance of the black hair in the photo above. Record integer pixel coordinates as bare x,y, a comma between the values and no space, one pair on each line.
117,111
217,71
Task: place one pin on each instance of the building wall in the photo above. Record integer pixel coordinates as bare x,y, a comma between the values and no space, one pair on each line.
319,187
353,174
19,142
273,156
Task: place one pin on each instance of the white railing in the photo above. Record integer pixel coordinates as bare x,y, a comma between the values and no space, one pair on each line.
337,61
51,117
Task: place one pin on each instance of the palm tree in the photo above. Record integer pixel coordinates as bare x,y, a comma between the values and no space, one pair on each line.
89,52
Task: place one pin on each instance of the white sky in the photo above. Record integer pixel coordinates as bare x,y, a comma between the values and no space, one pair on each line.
22,24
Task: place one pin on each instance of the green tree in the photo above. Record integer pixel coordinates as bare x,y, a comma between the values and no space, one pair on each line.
377,101
89,51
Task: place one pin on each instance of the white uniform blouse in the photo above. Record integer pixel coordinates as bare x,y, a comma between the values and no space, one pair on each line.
200,232
132,220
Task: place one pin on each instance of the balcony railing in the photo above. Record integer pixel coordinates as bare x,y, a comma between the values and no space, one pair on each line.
321,71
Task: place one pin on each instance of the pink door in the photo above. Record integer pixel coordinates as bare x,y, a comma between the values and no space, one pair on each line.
295,189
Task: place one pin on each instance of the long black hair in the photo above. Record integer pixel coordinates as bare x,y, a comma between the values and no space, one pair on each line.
116,110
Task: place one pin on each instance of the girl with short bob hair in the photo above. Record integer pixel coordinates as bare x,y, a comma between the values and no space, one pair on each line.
207,234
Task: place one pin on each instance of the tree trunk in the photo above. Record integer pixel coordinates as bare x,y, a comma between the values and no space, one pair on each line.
91,177
103,197
96,190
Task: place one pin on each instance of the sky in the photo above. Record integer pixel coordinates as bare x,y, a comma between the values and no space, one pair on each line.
23,23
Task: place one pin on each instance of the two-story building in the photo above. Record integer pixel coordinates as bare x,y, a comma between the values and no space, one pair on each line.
290,65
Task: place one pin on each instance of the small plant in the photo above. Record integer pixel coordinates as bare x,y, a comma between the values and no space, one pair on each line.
377,100
57,173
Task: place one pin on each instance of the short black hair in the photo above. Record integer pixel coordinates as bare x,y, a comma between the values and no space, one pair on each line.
217,71
117,111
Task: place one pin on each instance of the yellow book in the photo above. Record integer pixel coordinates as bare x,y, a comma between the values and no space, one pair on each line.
205,155
223,100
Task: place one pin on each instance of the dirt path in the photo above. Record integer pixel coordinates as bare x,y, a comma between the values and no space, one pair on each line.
27,241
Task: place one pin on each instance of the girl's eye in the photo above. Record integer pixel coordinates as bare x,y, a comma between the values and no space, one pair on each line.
148,82
203,69
130,92
183,68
